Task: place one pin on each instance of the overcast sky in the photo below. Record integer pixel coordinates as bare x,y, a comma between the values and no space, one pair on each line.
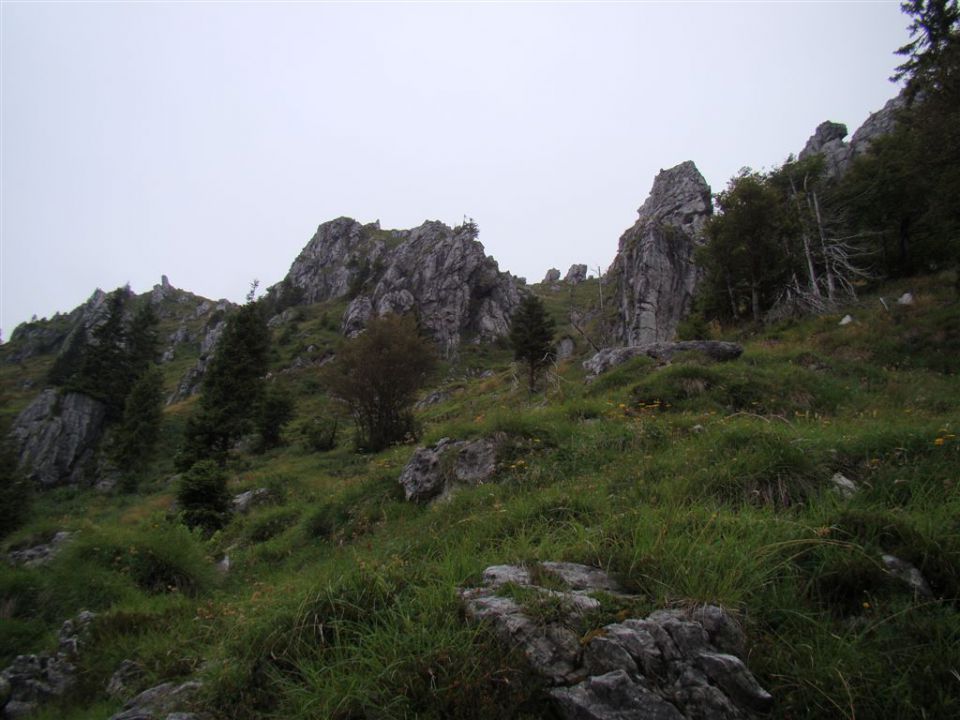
207,141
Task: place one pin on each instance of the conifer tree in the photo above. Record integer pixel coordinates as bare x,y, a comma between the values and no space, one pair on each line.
531,335
139,430
232,388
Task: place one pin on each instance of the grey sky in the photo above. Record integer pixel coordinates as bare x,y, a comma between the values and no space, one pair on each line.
207,141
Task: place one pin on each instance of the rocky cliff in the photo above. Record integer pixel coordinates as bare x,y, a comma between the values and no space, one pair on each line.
828,139
57,435
654,270
441,273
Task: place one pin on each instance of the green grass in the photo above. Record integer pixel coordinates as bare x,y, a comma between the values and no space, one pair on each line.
691,482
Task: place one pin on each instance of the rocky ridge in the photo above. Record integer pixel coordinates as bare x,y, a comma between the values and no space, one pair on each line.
828,139
440,272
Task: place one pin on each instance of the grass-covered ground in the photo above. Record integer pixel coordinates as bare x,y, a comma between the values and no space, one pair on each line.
693,482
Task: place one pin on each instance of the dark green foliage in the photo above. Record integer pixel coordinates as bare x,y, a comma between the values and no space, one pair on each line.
139,430
904,189
531,336
202,496
232,390
70,360
276,410
320,434
378,374
107,370
15,491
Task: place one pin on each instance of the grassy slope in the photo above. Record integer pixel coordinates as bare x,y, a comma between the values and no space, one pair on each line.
694,482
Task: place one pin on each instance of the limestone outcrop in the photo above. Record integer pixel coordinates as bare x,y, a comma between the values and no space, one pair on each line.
674,664
654,270
662,352
440,272
32,680
56,436
828,139
435,472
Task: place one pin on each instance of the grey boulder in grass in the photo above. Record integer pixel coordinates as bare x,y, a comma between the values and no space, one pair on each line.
672,664
663,352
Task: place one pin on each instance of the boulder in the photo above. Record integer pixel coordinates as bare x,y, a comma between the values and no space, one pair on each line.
565,348
674,664
127,673
654,271
242,503
663,352
843,486
435,472
908,574
161,702
576,274
905,299
56,436
552,276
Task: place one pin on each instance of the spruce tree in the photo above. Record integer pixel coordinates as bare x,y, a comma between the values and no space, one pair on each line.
531,336
232,388
137,434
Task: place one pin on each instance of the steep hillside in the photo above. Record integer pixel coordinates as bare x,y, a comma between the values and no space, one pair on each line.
802,487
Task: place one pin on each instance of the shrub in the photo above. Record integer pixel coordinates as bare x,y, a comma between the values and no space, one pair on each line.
203,497
377,374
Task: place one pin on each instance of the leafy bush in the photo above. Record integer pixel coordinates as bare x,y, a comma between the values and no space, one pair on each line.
202,496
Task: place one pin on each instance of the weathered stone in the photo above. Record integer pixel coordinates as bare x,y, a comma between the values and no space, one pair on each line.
612,696
441,272
56,436
843,486
160,701
654,271
675,663
732,676
828,139
846,320
565,348
40,554
905,299
434,398
435,472
126,674
193,378
576,274
907,573
609,358
35,679
243,502
552,276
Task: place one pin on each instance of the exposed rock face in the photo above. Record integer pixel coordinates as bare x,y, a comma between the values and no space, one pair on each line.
576,274
435,472
34,679
57,435
654,268
162,702
40,554
609,358
552,276
828,141
671,665
242,503
192,379
441,272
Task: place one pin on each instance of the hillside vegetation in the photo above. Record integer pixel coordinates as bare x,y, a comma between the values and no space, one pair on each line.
691,482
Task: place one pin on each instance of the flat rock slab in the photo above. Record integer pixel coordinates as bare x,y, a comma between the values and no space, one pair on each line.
674,664
609,358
